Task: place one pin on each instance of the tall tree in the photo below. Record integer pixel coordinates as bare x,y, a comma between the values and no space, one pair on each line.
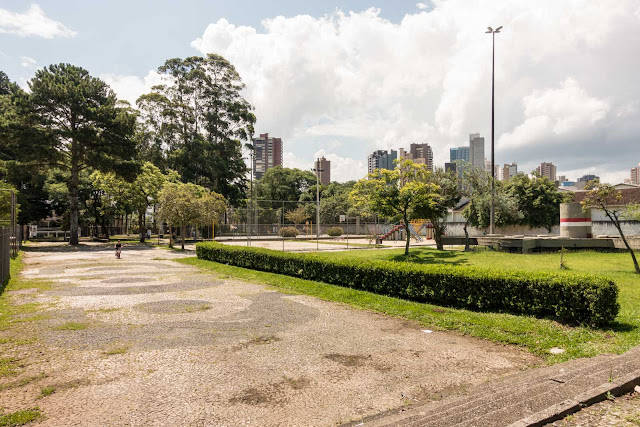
398,195
476,186
447,195
184,204
538,199
71,121
606,198
199,119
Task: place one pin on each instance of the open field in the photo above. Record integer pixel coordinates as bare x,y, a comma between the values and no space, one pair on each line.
86,339
537,335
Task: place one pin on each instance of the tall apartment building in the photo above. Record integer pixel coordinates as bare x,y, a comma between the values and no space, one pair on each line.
267,154
476,150
587,178
635,175
458,153
419,153
381,159
496,169
323,170
547,170
509,171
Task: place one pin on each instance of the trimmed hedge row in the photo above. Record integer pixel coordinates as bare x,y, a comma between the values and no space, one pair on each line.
570,297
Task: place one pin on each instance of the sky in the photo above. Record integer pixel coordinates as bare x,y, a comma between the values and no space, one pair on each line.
344,78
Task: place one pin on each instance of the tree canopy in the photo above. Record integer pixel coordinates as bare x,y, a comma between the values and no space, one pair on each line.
607,198
70,121
196,121
397,195
182,204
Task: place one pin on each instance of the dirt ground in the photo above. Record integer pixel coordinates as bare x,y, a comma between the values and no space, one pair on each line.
146,341
623,411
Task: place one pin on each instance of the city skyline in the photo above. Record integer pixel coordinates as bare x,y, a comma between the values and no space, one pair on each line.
345,88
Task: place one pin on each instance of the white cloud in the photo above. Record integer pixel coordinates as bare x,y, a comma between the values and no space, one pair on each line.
129,87
421,6
27,62
555,112
564,81
349,83
32,23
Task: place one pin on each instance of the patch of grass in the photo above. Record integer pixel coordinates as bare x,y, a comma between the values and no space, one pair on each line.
103,310
9,312
116,350
23,382
47,391
20,418
9,366
53,388
536,335
71,326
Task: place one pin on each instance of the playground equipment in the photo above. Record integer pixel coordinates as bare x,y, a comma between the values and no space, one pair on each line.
398,227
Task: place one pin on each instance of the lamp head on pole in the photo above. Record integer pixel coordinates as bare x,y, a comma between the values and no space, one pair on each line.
490,30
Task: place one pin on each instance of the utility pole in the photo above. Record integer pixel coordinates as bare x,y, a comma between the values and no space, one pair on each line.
493,167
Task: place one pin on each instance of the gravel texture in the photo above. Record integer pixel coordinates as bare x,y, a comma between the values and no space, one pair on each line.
161,343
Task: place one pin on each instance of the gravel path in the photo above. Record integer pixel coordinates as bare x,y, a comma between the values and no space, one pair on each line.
146,341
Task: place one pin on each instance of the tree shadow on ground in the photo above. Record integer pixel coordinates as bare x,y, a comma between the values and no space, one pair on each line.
100,247
432,257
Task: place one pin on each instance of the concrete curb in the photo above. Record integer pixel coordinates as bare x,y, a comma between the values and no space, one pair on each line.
556,412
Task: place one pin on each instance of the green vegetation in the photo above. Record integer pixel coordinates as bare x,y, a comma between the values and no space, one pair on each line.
289,232
116,350
10,313
47,391
536,335
20,418
71,326
23,382
335,231
569,297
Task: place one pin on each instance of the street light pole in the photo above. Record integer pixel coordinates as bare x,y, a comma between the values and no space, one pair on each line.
317,170
493,167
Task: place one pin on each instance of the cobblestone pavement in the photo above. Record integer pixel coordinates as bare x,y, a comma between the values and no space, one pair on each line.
145,341
623,411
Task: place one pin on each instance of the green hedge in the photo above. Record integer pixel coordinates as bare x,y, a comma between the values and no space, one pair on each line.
335,231
570,297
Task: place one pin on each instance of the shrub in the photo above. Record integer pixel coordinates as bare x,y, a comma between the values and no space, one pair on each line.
289,232
335,231
570,297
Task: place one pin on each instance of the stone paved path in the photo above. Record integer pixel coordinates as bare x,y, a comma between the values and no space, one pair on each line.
146,341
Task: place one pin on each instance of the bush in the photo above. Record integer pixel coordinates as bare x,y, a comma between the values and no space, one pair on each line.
289,232
570,297
335,231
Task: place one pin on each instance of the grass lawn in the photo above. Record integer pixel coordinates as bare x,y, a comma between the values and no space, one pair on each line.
536,335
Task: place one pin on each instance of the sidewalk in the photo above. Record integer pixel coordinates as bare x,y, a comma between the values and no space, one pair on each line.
530,398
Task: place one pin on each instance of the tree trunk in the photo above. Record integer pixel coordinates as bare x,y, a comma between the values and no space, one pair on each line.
183,231
141,221
633,255
437,233
406,229
170,235
466,237
73,203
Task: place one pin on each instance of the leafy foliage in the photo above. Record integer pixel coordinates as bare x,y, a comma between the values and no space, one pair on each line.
289,232
578,298
185,204
538,199
335,231
606,198
70,121
399,194
195,123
